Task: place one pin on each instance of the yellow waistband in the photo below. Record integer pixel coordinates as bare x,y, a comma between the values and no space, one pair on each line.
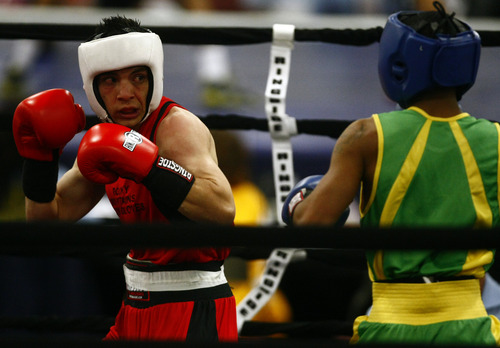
421,304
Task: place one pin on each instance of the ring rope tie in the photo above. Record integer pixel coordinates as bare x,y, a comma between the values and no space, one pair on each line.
281,128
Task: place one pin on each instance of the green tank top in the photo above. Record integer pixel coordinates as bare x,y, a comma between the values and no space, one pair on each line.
433,172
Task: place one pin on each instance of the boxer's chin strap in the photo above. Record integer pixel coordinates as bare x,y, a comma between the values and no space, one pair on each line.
281,128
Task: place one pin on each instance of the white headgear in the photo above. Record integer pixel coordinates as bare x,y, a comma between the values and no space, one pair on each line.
118,52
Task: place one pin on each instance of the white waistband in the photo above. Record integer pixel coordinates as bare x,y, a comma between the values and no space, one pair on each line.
172,280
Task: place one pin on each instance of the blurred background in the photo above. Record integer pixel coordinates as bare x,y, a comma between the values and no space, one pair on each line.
326,82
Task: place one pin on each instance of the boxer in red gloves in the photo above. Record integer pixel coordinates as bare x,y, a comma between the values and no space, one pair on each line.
156,161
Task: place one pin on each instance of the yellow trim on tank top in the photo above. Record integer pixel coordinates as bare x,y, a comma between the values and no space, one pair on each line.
405,176
378,166
439,119
498,163
484,216
424,304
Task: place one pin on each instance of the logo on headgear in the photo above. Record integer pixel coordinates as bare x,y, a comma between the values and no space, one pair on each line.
132,139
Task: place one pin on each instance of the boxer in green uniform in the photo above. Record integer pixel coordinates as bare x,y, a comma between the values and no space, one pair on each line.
427,165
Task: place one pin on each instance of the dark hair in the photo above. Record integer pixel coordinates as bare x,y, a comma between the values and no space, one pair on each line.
117,25
434,23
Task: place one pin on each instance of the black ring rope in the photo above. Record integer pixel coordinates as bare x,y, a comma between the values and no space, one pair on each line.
330,128
87,238
213,35
193,35
100,325
56,323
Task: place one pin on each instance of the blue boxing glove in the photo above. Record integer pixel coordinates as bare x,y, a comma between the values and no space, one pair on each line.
299,192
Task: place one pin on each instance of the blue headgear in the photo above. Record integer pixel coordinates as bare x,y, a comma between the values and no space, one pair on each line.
410,63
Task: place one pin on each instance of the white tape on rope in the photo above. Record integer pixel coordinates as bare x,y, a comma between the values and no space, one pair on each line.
267,285
281,128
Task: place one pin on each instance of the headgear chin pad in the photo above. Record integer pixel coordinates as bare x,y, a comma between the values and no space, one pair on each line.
119,52
411,63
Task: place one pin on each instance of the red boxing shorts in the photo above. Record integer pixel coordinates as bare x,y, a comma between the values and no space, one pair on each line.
204,315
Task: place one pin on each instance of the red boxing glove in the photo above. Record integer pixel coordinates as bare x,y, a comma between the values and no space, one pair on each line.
42,125
45,122
109,150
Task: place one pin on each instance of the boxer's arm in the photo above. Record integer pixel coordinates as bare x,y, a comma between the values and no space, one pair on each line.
75,197
183,138
351,163
42,126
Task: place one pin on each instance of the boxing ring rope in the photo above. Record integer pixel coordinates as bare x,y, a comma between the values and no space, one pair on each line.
330,128
84,239
89,240
213,35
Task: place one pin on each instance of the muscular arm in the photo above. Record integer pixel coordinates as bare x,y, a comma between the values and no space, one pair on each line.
352,162
75,197
183,138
